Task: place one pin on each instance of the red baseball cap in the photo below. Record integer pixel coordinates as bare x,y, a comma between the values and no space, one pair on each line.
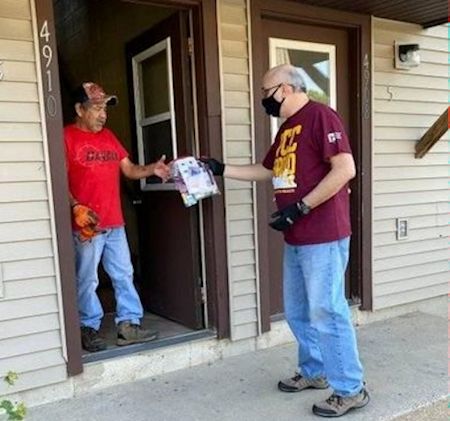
94,93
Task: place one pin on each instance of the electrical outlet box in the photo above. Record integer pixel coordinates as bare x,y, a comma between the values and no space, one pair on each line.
402,228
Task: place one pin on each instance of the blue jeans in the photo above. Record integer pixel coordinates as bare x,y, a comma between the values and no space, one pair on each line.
318,314
112,249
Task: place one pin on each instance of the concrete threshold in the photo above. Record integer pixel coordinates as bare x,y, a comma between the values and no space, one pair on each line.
404,360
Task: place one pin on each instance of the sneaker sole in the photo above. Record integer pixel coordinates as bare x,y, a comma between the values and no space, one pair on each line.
123,342
358,406
291,389
96,349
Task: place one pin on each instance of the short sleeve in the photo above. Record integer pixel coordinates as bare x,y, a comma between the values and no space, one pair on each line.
269,159
330,134
122,152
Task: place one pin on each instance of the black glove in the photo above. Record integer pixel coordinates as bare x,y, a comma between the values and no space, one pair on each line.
286,217
214,165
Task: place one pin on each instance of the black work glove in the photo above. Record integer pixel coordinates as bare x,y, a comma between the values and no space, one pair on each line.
214,165
286,217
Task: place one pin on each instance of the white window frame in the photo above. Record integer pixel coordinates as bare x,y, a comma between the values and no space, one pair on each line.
275,43
141,120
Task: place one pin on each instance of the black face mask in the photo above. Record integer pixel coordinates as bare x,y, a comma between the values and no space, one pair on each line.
271,105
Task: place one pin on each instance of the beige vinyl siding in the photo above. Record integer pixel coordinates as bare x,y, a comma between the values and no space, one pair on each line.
406,104
30,328
238,149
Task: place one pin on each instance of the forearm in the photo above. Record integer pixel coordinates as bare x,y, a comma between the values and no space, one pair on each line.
136,172
72,200
332,183
255,172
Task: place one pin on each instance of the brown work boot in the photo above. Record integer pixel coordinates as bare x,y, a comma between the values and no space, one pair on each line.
130,333
299,383
90,340
336,406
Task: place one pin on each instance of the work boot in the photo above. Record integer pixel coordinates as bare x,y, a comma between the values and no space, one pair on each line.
90,340
130,333
336,406
299,383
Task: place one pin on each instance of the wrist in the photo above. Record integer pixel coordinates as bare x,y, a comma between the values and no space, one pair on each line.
303,208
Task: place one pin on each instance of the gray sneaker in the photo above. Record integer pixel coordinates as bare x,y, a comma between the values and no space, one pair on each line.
299,383
130,333
336,406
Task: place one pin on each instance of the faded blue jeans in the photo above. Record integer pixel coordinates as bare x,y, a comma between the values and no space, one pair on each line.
318,314
111,248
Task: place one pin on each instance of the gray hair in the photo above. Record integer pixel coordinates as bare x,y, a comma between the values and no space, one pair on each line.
295,79
290,75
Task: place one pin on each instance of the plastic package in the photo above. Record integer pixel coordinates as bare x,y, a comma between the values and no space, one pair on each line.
193,180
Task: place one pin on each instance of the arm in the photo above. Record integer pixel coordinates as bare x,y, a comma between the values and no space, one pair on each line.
136,172
255,172
342,171
72,200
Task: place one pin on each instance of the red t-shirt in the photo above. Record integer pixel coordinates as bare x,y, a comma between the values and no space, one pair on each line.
93,161
299,159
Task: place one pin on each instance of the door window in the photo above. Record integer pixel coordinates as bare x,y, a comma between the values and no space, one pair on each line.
154,108
316,63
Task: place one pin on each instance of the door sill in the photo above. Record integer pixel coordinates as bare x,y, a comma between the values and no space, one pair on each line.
120,351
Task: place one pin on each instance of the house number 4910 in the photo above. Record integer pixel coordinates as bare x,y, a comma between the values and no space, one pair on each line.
47,54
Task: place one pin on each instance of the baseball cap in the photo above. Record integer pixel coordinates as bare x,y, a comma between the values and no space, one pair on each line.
94,93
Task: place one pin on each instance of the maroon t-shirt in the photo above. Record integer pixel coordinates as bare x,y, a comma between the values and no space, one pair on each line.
299,159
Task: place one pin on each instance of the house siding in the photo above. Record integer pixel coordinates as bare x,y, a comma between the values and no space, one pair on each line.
406,104
239,149
30,322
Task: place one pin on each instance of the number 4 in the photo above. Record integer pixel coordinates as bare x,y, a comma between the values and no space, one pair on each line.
44,31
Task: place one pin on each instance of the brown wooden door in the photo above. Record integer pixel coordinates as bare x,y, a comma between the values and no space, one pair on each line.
161,99
315,40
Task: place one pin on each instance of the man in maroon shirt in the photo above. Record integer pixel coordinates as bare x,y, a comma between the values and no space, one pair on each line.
95,159
310,164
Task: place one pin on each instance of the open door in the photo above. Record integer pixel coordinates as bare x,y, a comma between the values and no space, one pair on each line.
159,73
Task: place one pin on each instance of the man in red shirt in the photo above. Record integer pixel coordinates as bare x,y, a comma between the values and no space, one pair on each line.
95,159
310,164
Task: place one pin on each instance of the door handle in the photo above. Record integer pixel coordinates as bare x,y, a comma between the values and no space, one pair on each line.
137,202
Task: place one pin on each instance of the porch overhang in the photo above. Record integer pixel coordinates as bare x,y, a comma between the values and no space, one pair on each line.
426,14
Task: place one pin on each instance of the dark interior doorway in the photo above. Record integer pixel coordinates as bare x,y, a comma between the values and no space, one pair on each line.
98,43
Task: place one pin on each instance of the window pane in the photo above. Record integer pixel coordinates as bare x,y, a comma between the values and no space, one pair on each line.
157,142
155,84
314,66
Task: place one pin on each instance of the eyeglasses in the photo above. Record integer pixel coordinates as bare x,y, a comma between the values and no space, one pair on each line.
265,91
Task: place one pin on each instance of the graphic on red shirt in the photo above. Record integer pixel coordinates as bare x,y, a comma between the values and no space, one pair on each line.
93,161
299,159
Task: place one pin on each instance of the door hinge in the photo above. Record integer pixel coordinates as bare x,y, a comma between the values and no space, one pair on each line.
190,44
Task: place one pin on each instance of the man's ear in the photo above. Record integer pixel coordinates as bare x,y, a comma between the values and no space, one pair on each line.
78,109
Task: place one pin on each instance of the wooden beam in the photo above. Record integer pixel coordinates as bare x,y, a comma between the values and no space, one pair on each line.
433,134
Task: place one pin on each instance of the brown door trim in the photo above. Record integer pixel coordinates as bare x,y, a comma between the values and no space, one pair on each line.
207,66
54,124
360,29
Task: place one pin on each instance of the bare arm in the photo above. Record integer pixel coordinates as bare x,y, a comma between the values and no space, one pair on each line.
255,172
72,200
136,172
342,171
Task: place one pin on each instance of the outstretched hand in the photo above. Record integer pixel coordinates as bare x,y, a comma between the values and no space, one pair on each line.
161,169
216,167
